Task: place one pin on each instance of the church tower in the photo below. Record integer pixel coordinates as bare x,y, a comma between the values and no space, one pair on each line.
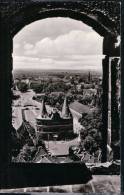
65,110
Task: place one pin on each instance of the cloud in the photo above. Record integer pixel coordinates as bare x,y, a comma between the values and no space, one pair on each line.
59,43
28,46
16,46
49,27
25,59
75,42
91,62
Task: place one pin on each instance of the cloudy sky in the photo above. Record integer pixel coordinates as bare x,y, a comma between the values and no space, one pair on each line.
59,43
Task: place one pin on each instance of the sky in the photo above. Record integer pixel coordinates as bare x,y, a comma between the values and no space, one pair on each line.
57,43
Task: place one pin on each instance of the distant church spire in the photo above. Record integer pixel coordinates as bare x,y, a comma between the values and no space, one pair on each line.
65,109
43,110
89,77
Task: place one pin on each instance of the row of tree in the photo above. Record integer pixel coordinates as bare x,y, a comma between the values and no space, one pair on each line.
91,133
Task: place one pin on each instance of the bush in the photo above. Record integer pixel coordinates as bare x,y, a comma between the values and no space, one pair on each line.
23,87
91,133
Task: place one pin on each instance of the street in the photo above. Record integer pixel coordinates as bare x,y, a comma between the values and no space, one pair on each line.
32,109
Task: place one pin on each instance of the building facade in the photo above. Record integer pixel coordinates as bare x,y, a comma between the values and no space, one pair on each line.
77,109
55,124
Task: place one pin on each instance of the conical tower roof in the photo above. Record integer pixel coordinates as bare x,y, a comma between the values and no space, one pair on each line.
43,110
65,109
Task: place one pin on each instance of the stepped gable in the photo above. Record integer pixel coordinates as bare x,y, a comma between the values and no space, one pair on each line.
65,109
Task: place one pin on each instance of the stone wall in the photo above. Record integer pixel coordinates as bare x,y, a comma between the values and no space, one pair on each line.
102,16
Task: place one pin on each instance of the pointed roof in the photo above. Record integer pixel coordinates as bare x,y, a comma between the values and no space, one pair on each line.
26,132
43,110
65,109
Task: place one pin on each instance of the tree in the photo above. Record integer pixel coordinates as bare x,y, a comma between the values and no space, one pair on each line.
26,154
37,88
91,133
23,87
80,80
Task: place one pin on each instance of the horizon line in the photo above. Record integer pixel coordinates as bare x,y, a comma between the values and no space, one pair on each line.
55,69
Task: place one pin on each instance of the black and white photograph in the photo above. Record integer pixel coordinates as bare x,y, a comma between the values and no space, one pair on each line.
65,90
57,105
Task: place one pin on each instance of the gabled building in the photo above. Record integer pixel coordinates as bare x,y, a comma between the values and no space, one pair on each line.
55,124
26,133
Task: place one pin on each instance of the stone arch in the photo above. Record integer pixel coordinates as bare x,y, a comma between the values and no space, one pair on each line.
99,25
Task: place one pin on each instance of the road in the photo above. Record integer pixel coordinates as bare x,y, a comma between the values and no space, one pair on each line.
31,113
25,101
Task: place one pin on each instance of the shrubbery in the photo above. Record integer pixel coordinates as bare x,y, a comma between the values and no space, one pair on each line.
23,87
91,134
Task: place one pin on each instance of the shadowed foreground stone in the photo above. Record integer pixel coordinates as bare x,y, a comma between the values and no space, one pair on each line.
26,174
99,184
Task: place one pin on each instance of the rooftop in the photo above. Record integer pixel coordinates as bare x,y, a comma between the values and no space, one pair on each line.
80,108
